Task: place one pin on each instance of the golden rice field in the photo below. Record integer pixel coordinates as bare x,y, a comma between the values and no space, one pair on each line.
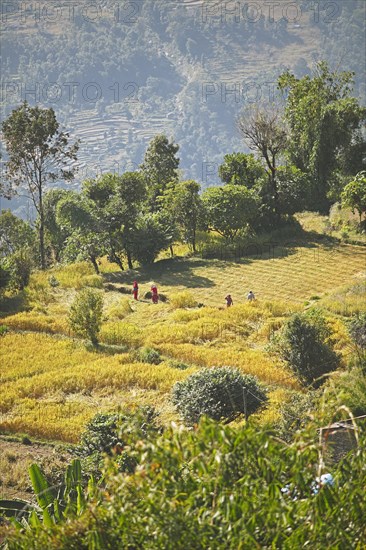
52,383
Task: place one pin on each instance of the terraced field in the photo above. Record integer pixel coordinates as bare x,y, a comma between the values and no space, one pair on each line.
51,384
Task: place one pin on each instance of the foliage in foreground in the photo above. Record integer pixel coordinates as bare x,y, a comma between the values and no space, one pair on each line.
218,487
222,393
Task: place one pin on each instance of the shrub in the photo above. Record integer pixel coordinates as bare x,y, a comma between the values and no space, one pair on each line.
296,412
218,392
304,343
174,364
3,330
110,434
350,390
148,355
357,329
217,487
53,282
85,316
182,299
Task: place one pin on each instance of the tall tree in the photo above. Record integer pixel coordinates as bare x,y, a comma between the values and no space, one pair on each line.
324,123
185,204
55,234
160,167
76,214
265,133
229,209
117,202
39,153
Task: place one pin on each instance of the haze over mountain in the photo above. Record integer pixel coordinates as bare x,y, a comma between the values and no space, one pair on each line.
117,74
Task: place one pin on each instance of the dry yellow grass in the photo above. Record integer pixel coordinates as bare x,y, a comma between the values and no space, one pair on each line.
51,386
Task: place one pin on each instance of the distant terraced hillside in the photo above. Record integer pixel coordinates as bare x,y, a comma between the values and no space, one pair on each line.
117,75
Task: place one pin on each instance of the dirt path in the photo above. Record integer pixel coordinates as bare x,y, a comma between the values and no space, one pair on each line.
15,459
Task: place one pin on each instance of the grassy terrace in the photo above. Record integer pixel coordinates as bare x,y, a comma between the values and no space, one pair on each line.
52,384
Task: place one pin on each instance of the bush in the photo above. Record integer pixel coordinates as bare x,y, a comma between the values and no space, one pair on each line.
3,330
296,412
217,487
85,316
304,343
357,329
148,355
350,390
219,393
53,282
110,434
174,364
182,299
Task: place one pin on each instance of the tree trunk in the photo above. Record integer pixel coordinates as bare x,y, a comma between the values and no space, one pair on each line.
171,250
129,259
41,227
95,264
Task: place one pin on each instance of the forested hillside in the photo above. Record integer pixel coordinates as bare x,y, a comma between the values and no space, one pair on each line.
118,74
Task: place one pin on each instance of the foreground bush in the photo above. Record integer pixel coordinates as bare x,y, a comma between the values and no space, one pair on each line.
110,434
222,393
217,487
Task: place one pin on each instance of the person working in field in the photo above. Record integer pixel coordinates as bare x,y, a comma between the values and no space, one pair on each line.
135,290
229,300
154,294
250,296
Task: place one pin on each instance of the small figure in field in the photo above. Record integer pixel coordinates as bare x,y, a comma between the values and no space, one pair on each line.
229,300
135,290
154,294
251,296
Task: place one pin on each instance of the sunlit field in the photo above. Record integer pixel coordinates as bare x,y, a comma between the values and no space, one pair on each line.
52,383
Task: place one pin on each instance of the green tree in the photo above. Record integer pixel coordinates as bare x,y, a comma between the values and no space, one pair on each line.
160,167
55,234
15,233
354,194
305,344
38,154
87,239
241,169
229,209
150,236
184,203
324,123
292,187
85,316
222,393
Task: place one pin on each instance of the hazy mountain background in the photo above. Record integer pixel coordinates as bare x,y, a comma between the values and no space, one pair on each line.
118,73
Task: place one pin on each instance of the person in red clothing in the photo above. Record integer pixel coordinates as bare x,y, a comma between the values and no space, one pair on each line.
135,290
154,294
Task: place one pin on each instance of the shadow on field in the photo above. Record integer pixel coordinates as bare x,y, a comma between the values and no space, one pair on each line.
169,272
10,305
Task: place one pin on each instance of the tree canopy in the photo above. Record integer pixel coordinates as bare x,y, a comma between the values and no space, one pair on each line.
39,153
